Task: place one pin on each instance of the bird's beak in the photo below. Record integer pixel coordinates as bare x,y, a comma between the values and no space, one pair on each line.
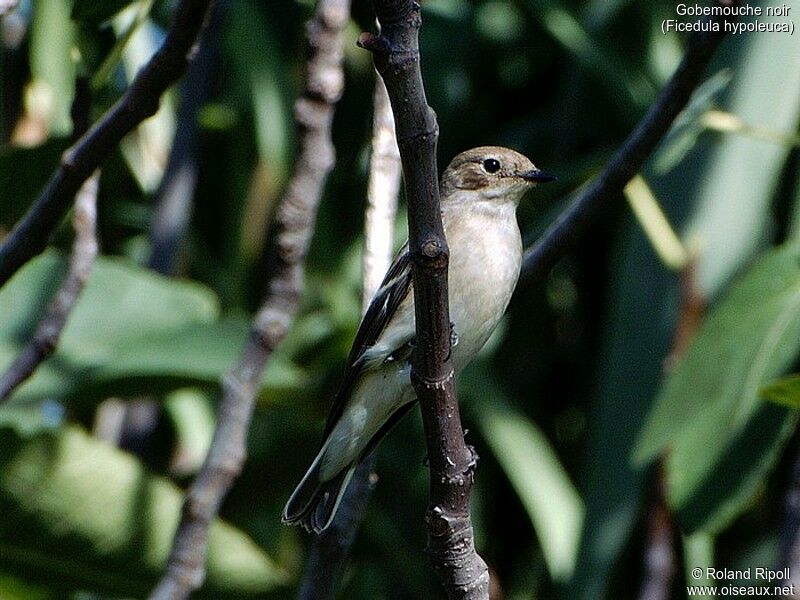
537,176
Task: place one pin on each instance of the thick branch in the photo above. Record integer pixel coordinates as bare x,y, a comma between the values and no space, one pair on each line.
294,225
630,157
30,236
451,544
329,550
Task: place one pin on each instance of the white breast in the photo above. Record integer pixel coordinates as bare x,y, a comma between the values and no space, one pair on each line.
485,257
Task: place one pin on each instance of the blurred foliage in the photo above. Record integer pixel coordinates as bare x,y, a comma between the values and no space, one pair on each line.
569,406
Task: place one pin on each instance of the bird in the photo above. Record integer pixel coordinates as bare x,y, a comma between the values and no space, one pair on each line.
479,194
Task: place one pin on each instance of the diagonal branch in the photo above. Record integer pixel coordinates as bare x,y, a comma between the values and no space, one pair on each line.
30,236
450,537
82,259
294,225
329,550
628,160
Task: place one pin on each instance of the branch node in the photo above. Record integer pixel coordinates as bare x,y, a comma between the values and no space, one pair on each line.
432,249
432,383
69,160
377,44
438,521
472,461
428,136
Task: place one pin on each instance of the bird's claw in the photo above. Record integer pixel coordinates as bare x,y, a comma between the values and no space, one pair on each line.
453,335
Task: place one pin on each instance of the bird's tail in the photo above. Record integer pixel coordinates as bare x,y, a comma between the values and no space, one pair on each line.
313,503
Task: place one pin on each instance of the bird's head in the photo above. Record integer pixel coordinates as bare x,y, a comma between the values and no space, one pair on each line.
491,173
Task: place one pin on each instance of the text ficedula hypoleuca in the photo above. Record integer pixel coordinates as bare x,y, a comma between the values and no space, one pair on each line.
480,192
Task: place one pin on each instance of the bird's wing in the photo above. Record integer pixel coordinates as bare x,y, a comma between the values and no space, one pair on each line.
393,290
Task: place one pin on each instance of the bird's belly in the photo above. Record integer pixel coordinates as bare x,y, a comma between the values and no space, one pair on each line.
487,278
377,394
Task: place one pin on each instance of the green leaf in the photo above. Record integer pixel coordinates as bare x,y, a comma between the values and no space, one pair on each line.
636,340
709,403
122,306
132,332
624,80
734,215
534,470
15,588
23,173
784,391
730,485
687,127
52,67
258,58
698,553
750,337
80,514
97,11
124,35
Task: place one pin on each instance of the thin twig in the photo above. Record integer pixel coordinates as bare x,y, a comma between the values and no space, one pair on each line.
329,550
30,236
82,259
630,157
294,225
451,544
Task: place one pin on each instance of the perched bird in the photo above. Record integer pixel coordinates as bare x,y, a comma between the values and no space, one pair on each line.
480,192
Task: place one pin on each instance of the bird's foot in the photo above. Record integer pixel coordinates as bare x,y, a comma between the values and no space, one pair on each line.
472,460
453,335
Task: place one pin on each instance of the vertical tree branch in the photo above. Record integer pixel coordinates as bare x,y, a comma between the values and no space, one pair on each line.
329,550
30,236
451,543
82,259
629,158
294,225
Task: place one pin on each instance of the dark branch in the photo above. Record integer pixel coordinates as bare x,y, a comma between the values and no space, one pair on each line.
173,200
451,543
294,225
790,534
30,236
630,157
659,554
329,550
82,259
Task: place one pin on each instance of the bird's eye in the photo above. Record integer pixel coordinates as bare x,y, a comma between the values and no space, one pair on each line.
491,165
